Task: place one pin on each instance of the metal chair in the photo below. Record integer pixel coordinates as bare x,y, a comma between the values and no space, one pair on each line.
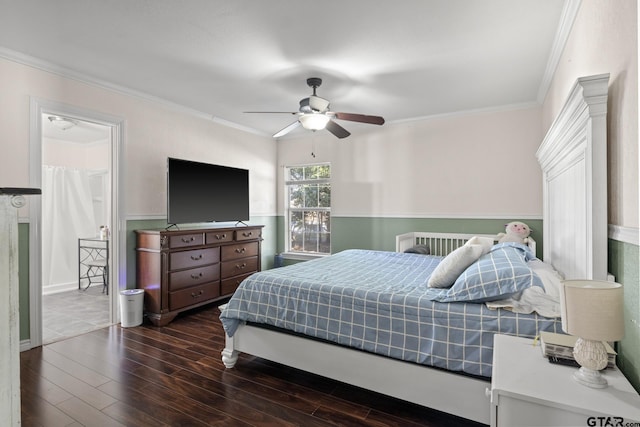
93,265
98,268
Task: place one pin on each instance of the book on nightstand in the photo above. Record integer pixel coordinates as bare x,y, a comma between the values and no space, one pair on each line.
559,347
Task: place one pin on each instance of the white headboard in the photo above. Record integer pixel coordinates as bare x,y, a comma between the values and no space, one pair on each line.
573,157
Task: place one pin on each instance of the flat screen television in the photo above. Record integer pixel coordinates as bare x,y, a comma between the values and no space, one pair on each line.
203,192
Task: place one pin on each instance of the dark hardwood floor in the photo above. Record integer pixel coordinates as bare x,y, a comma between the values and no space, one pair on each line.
173,376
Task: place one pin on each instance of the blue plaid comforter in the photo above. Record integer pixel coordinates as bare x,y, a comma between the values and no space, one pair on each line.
378,302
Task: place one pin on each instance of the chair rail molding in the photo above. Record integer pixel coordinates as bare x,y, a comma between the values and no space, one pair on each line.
624,234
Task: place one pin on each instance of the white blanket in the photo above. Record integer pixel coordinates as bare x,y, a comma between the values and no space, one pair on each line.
534,299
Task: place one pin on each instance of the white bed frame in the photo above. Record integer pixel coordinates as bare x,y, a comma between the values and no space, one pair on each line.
442,243
573,160
573,157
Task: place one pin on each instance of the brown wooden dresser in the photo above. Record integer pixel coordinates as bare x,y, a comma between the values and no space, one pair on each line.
183,269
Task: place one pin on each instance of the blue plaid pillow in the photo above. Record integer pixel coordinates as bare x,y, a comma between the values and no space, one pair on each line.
499,274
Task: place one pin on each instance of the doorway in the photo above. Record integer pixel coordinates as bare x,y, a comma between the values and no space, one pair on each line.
75,214
75,161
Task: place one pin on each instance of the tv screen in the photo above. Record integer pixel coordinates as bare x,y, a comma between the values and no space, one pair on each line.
203,192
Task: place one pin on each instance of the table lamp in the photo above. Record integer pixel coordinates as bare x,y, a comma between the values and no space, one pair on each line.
592,310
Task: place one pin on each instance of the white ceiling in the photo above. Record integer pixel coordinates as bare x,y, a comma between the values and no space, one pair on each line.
401,59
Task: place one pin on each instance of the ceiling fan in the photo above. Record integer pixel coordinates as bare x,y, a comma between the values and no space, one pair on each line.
314,114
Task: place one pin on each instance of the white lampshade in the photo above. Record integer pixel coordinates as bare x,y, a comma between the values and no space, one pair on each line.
314,121
592,309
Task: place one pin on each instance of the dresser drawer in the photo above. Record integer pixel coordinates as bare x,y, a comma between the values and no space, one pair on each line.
192,277
249,234
213,237
228,286
240,250
193,258
193,295
239,266
186,240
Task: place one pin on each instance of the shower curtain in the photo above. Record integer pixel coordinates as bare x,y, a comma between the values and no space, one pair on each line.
67,214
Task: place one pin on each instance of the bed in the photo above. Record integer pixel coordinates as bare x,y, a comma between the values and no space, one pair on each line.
379,302
401,369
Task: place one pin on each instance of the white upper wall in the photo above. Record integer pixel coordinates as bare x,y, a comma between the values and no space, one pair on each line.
476,165
604,39
152,132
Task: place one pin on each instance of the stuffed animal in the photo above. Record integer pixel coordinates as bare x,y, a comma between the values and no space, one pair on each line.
515,231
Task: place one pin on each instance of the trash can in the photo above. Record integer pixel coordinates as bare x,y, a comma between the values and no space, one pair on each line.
131,307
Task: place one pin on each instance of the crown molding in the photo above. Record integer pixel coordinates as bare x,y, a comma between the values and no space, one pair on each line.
471,112
71,74
567,18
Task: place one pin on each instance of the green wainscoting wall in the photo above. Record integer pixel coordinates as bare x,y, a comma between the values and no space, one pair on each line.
23,278
380,233
624,260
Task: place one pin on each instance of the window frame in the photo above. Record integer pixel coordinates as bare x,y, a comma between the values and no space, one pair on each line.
299,254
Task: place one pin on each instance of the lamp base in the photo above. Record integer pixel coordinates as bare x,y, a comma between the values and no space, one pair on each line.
592,357
590,378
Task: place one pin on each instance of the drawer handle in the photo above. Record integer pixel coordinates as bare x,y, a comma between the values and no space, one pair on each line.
241,251
249,234
197,295
196,258
189,240
196,276
221,236
241,266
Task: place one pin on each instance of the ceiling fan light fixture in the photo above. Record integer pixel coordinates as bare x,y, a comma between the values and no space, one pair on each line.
314,121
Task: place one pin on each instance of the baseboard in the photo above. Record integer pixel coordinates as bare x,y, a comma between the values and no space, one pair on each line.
25,345
59,287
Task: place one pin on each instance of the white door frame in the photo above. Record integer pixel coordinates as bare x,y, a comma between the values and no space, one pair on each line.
118,234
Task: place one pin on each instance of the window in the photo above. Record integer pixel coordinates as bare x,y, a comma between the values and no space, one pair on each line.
308,211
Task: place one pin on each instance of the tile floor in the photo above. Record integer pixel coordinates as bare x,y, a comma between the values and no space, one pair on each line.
67,314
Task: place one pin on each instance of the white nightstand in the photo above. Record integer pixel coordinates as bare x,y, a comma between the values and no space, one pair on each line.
527,390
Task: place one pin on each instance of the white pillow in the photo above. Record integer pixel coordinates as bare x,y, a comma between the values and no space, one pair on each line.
485,242
549,276
454,264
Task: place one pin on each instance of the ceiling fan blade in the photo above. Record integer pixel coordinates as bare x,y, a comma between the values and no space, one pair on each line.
270,112
337,130
287,129
362,118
